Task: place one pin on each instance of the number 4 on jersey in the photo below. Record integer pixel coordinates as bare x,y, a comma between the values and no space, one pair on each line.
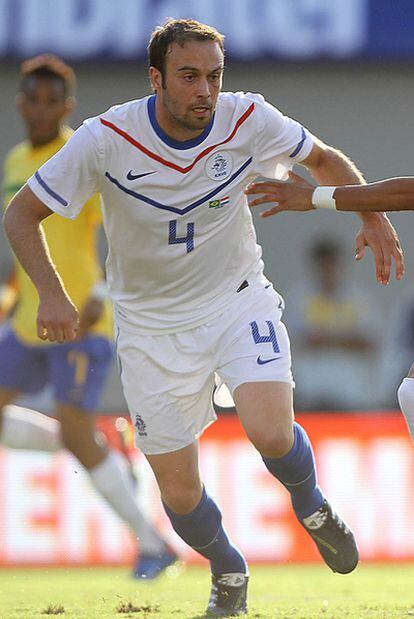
173,239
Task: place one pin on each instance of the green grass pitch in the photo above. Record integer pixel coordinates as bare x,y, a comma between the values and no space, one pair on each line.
300,592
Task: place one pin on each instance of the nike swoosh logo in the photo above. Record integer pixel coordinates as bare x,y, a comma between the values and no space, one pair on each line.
133,177
261,361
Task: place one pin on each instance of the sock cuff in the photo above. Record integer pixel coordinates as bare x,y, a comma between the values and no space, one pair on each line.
182,518
299,435
297,466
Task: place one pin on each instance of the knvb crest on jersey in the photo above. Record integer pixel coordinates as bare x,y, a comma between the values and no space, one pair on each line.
140,425
219,166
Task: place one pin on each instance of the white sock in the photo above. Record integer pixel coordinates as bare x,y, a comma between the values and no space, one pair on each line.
406,401
23,428
113,483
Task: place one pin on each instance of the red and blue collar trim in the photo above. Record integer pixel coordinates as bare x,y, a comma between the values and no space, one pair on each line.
169,141
171,164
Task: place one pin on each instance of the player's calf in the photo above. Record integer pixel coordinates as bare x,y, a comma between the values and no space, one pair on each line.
296,470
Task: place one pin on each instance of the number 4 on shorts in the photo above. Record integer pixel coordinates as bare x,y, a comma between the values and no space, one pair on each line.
264,339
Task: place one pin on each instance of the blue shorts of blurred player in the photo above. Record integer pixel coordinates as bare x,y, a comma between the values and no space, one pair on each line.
76,371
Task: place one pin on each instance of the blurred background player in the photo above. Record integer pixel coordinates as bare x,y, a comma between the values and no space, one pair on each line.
8,297
335,334
76,371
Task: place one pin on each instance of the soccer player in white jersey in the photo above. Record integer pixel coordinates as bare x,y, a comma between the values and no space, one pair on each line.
392,194
186,278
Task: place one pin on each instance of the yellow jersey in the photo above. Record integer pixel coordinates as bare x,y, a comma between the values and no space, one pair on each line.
72,243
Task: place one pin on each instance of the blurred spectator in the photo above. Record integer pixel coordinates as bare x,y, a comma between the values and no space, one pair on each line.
334,336
398,351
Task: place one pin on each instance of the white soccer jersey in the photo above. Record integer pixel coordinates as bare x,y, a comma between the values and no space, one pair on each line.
180,232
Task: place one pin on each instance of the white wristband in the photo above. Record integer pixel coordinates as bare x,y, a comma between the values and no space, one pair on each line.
322,197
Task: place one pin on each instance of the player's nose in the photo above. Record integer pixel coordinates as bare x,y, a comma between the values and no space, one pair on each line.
203,90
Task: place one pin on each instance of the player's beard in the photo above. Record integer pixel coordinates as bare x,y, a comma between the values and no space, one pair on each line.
185,120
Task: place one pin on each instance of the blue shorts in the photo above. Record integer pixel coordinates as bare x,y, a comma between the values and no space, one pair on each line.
76,371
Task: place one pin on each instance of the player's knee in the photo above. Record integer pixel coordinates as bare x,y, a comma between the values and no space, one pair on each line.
76,440
411,372
273,442
181,500
405,395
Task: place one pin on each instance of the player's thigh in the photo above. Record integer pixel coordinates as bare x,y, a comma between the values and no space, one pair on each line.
178,477
78,371
255,345
23,369
77,425
255,363
168,384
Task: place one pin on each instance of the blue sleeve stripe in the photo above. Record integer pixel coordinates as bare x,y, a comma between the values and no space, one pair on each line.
299,146
49,190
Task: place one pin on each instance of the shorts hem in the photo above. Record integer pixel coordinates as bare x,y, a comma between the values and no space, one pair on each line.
160,452
290,382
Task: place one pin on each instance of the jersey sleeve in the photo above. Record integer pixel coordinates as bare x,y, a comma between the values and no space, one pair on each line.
67,180
282,141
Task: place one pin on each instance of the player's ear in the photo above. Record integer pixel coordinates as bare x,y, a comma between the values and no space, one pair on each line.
155,78
70,104
18,100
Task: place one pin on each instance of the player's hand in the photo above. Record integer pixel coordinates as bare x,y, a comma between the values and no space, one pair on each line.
90,314
378,233
295,195
57,318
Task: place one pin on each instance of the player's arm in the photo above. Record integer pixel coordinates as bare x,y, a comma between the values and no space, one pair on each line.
329,166
324,163
57,316
393,194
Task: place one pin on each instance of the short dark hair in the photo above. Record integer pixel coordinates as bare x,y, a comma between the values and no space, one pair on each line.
48,66
324,249
178,31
